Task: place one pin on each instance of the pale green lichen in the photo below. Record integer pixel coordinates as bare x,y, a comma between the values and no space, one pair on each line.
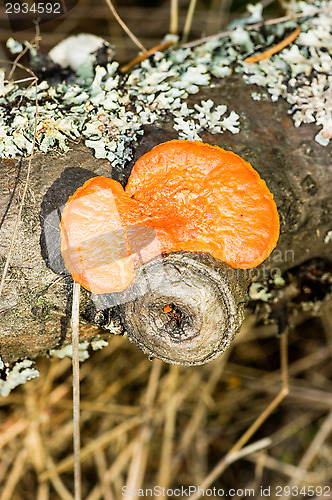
110,110
204,116
114,327
14,46
256,96
67,351
328,237
98,344
258,291
16,375
278,280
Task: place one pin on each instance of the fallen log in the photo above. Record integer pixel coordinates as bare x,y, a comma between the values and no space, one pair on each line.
36,301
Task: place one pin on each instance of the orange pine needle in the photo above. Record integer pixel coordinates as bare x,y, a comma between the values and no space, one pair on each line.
148,53
273,50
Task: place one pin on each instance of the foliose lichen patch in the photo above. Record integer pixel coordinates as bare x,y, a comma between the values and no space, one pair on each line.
18,374
110,110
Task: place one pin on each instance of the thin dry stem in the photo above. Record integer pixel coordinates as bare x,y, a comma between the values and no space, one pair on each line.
229,459
281,467
34,442
119,384
57,483
14,476
11,430
141,448
235,449
189,20
33,43
100,460
174,17
312,451
274,403
18,57
125,27
76,390
290,17
113,473
200,409
171,407
98,443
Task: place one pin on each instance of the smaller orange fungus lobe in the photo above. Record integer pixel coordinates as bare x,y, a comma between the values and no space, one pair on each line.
95,235
181,195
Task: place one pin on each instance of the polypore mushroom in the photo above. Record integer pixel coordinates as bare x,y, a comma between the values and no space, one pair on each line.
183,200
209,200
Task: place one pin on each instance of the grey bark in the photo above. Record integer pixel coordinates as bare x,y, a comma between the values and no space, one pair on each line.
35,305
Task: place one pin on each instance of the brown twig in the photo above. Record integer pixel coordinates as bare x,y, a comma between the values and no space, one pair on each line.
33,43
141,447
311,452
276,48
237,448
228,460
250,27
148,53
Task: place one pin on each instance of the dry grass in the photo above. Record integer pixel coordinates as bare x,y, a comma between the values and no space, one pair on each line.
149,21
146,423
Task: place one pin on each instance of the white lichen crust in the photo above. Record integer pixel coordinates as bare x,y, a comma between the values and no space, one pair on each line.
110,110
328,237
301,72
67,351
258,291
15,375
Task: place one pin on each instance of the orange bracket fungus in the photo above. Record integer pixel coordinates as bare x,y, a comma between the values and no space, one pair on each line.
206,212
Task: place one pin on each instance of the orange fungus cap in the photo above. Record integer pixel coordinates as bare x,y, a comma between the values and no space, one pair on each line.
181,195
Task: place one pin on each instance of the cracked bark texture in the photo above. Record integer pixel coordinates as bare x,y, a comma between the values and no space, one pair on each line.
36,302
